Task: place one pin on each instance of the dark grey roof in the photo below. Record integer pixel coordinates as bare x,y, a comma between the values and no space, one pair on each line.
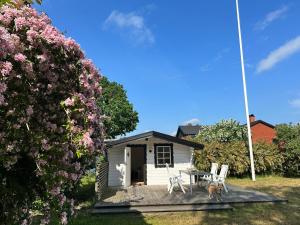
261,121
155,134
189,130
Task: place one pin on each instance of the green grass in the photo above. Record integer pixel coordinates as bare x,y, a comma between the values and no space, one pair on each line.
257,214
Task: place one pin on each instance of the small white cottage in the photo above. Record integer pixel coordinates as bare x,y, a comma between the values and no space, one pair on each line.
142,158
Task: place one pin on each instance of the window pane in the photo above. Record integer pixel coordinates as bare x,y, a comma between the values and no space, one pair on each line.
160,161
160,155
160,149
168,161
167,149
167,155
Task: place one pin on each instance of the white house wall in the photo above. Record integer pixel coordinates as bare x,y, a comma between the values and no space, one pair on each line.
155,176
116,166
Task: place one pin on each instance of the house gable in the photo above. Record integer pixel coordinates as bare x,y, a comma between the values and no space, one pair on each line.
262,131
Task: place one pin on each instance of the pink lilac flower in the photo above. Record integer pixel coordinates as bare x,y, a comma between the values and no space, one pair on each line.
6,68
92,117
62,199
55,191
45,144
63,218
24,222
69,102
20,22
3,87
41,162
29,110
87,140
31,35
20,57
2,100
73,176
16,126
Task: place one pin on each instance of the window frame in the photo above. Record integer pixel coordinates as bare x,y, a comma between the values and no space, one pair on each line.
171,154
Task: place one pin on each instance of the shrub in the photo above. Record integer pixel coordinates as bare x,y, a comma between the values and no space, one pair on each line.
267,158
233,154
50,125
288,140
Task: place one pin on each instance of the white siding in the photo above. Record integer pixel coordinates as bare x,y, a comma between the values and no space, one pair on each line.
155,176
116,166
159,176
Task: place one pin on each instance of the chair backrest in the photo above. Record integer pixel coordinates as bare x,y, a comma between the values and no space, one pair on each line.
223,172
214,168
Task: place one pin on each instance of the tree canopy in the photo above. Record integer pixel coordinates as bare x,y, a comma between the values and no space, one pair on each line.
120,114
223,131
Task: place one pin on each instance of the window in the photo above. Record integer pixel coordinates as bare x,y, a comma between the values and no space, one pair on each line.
163,154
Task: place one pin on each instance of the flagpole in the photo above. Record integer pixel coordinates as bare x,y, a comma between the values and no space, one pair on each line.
245,92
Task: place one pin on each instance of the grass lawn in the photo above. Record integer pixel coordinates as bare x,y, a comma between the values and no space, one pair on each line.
264,213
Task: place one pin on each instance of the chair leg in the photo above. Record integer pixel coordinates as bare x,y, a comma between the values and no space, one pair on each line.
169,185
181,186
171,188
225,188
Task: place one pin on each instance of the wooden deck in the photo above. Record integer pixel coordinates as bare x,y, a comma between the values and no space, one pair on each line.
157,199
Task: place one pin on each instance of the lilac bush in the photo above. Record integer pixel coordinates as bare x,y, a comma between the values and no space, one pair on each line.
50,126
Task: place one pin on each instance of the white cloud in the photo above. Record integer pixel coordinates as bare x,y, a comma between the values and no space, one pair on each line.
270,17
289,48
221,54
131,23
209,66
295,103
205,68
193,121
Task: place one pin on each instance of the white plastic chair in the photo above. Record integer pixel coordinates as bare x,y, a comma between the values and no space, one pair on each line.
213,173
173,180
220,179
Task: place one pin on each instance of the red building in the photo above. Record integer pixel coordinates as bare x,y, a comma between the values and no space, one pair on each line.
261,130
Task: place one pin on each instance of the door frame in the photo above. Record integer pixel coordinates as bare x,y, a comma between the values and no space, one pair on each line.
145,159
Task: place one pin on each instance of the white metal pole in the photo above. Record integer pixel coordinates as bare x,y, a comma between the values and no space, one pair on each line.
245,92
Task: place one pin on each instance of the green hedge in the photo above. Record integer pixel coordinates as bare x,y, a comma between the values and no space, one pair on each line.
267,157
288,140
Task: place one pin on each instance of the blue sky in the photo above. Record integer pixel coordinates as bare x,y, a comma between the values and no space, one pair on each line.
180,61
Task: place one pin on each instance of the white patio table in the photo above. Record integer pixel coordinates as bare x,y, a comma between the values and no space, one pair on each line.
194,172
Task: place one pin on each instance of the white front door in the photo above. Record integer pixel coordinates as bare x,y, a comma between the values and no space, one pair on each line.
127,160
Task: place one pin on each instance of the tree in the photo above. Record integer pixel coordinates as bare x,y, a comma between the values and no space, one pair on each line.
223,131
19,3
120,114
50,125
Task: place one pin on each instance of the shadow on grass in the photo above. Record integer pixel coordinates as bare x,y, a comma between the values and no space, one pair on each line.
118,219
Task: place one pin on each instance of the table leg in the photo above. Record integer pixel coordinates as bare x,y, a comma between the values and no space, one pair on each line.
191,186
